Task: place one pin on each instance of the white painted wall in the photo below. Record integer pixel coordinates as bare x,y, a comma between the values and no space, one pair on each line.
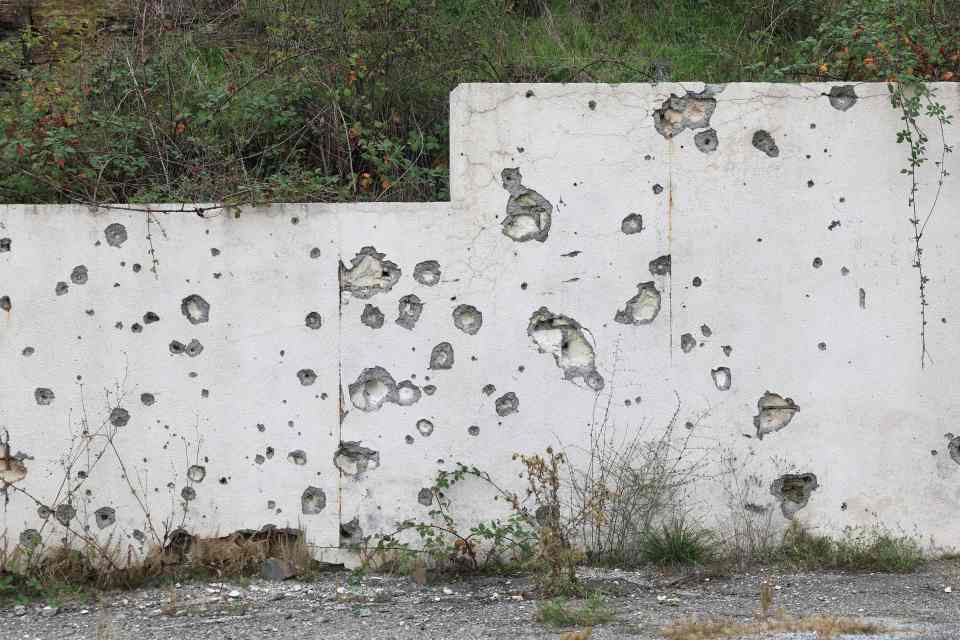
746,224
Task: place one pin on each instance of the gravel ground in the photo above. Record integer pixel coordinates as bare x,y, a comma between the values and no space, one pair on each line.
924,605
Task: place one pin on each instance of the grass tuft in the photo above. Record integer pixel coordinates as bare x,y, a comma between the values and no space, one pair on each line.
560,613
826,627
678,542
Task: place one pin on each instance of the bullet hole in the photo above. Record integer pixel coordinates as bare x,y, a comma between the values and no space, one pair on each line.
43,396
842,97
195,309
150,317
632,224
953,448
523,286
44,512
373,388
822,346
369,274
351,535
833,225
312,501
657,189
147,399
706,141
89,312
473,430
687,342
697,281
467,318
409,308
118,325
62,288
139,536
427,272
119,417
297,457
188,494
424,427
28,351
565,339
765,142
572,254
774,412
64,513
315,253
5,244
692,111
408,439
313,320
529,93
660,266
722,378
506,404
259,459
5,303
641,308
352,459
194,348
116,234
104,517
441,356
79,275
372,316
136,327
844,271
489,389
176,347
592,105
407,393
214,252
528,214
793,491
430,389
810,184
425,496
863,298
306,377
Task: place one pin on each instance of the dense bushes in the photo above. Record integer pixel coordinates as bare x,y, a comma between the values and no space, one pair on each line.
322,100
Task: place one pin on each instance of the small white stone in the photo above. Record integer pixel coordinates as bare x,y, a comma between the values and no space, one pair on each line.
948,590
234,594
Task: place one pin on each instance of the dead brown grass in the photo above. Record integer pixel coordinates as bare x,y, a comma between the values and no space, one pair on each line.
826,627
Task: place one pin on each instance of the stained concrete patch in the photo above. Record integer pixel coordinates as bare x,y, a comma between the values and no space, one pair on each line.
566,340
679,113
369,274
64,513
774,412
642,308
352,459
61,288
528,214
297,457
793,491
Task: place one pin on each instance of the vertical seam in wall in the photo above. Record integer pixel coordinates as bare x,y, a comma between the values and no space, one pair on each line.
670,241
340,399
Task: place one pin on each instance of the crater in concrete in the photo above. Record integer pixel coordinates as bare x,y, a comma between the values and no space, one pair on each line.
196,473
369,273
43,396
722,378
306,377
313,501
119,417
188,494
642,308
427,272
5,303
147,399
116,234
441,357
79,275
61,288
678,113
195,309
193,348
353,459
407,393
763,141
409,309
565,339
660,266
313,320
793,491
351,535
467,318
528,214
507,403
706,141
774,412
5,245
631,224
373,388
297,457
104,517
425,427
953,448
371,316
425,496
842,97
64,513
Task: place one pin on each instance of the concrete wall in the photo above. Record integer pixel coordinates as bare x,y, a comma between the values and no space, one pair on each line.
789,276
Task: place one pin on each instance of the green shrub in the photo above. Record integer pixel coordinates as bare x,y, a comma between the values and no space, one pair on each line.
559,613
678,542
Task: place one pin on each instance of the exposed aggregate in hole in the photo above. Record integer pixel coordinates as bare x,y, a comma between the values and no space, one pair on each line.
104,517
467,318
43,396
369,274
427,272
79,275
306,377
678,113
407,393
506,404
565,339
352,459
372,316
642,308
722,378
842,97
313,501
424,427
188,494
313,320
196,473
297,457
195,309
774,412
373,388
706,141
528,214
115,234
763,141
631,224
441,356
409,308
793,491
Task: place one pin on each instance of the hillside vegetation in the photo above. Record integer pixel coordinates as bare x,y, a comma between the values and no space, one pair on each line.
242,101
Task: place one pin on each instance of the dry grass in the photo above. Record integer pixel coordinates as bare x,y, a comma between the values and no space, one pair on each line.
825,627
